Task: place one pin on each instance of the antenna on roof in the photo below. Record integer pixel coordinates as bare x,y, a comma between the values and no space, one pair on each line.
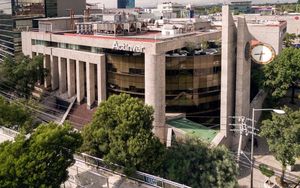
72,21
86,13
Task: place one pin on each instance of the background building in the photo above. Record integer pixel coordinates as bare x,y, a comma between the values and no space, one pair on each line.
54,8
126,4
19,15
241,7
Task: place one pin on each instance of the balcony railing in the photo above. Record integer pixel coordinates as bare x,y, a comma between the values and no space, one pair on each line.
141,177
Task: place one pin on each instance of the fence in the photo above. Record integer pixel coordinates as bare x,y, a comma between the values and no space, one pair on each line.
9,132
141,177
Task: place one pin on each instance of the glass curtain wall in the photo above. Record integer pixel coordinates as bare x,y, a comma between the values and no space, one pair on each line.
6,29
126,3
16,16
192,82
51,8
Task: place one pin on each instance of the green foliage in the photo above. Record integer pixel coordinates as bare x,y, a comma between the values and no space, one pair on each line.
41,160
257,77
195,164
283,136
121,133
289,39
190,46
15,114
22,73
265,170
204,45
288,7
283,72
214,10
208,10
283,133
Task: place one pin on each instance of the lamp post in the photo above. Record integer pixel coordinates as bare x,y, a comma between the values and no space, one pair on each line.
252,135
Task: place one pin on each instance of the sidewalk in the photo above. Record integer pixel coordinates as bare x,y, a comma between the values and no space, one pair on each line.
262,155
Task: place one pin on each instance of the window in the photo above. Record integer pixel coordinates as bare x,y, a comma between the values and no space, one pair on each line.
216,70
136,71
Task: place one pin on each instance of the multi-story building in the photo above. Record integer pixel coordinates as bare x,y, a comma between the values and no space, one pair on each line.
264,10
169,10
174,67
94,63
241,7
19,15
292,20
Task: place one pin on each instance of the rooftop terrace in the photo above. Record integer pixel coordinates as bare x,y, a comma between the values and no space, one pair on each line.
193,129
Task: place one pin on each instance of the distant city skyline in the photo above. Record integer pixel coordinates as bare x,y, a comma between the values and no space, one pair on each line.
147,3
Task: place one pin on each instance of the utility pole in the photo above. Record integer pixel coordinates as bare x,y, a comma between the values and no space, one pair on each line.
243,128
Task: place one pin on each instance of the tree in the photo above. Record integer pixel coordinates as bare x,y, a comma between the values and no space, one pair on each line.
283,136
214,9
41,160
289,39
265,170
15,115
283,73
22,73
193,163
121,133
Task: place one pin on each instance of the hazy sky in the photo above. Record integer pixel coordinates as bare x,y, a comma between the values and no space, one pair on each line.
142,3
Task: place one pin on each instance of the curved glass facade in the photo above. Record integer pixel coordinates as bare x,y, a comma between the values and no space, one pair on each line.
192,82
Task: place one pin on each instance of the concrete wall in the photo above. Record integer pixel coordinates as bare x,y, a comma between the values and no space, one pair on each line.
272,35
243,77
257,102
293,23
180,42
243,70
151,46
56,25
228,72
221,139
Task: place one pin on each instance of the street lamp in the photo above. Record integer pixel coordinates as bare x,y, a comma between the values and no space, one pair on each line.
278,111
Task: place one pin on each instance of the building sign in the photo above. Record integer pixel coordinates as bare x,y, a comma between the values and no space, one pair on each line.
127,47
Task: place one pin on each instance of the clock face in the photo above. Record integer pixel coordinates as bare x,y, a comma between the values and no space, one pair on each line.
262,54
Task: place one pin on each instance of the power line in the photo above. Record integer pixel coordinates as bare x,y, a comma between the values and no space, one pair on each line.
47,108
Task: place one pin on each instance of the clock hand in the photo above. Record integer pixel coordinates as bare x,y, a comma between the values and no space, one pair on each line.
261,54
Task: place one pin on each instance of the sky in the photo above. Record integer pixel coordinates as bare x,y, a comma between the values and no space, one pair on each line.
146,3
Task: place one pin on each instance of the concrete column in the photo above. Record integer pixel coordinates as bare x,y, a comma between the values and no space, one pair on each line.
54,73
47,79
229,34
101,80
62,72
80,80
155,91
90,83
243,71
71,77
